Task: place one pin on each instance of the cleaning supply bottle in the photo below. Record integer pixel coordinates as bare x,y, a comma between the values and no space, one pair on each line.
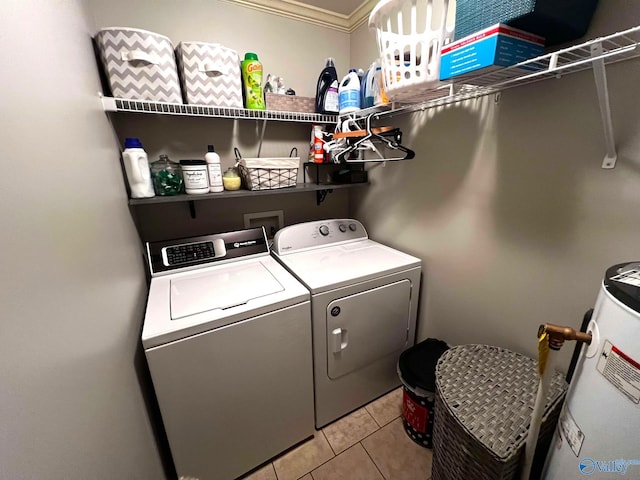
349,93
380,97
136,165
252,80
327,90
214,170
370,87
363,89
317,141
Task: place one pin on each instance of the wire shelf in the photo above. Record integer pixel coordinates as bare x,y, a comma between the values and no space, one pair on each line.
610,49
111,104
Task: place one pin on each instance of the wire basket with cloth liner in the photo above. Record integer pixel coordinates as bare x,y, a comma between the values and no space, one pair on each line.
268,173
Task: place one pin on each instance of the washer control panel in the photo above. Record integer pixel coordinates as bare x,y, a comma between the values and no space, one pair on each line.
320,233
202,251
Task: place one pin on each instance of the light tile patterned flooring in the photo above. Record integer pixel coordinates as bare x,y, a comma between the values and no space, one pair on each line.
369,444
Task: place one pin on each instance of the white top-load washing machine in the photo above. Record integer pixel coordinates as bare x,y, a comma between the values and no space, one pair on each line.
364,299
227,336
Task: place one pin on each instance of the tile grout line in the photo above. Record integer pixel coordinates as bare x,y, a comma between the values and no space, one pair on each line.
336,455
374,418
327,461
367,451
372,460
329,443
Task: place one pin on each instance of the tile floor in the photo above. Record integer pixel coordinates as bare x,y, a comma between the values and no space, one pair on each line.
369,444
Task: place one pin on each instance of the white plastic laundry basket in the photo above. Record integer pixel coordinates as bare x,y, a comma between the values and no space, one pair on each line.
410,34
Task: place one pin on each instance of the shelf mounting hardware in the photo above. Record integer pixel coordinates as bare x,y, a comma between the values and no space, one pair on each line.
321,195
600,75
192,209
264,127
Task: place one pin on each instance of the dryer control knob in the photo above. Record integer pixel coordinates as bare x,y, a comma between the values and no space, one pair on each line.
352,227
342,227
324,230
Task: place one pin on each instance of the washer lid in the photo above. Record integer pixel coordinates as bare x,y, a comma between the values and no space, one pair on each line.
336,266
623,282
221,289
221,296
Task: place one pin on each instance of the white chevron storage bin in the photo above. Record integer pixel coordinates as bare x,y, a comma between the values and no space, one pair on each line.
210,74
140,65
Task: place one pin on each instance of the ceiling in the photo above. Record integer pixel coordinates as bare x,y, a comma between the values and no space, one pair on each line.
342,15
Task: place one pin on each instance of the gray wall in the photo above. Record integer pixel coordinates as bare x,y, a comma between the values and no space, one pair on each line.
75,399
507,205
292,49
72,288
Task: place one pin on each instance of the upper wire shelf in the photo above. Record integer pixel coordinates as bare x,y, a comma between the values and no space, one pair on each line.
609,49
111,104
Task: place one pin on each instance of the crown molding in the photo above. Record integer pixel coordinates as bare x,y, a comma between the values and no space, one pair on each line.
311,14
361,14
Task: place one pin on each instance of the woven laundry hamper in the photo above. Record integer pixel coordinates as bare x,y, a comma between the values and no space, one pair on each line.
210,74
139,64
484,401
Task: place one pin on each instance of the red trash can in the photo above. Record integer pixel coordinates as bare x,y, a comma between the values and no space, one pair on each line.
417,372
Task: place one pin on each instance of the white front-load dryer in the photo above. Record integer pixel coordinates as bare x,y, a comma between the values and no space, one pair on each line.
364,299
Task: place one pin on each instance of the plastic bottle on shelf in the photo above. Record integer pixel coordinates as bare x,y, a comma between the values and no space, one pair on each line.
369,87
380,96
317,142
349,93
136,165
252,80
327,90
363,89
214,170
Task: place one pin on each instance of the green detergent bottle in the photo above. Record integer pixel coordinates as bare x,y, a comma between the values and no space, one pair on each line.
252,79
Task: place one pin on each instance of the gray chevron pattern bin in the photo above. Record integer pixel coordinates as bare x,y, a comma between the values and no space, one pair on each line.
140,65
210,74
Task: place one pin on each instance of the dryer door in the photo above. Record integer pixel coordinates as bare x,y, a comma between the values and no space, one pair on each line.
367,326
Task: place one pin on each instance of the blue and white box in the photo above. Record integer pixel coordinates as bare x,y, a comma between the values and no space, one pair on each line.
494,47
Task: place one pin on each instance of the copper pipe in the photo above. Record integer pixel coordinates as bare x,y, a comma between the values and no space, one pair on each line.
558,335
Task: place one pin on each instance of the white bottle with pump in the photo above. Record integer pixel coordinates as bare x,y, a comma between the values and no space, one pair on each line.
136,164
214,170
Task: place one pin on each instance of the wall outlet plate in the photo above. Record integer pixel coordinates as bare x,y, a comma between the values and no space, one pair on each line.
271,221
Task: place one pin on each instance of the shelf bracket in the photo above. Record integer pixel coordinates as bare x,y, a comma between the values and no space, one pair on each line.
321,195
192,208
600,75
264,127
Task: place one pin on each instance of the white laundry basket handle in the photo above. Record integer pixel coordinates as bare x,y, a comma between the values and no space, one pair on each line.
139,55
380,9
